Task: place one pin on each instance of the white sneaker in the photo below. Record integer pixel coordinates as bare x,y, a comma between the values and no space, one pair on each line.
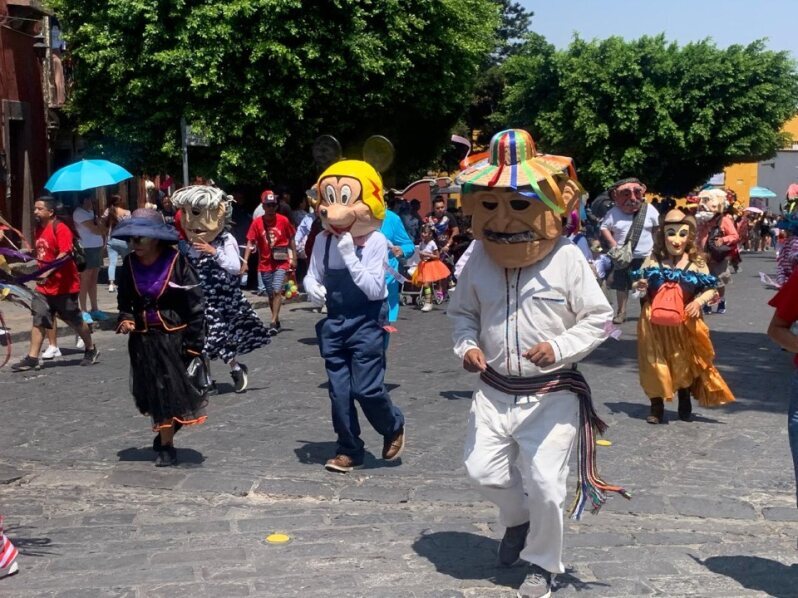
79,344
112,288
427,306
51,352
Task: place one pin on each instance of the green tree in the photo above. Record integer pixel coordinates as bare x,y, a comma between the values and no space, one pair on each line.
671,115
511,38
263,78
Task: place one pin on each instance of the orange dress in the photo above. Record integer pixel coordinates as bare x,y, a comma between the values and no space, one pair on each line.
430,271
673,357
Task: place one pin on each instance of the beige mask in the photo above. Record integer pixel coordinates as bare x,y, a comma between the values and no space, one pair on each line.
676,238
515,230
202,224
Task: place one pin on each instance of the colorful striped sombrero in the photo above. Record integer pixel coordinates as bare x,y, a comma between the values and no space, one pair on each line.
515,164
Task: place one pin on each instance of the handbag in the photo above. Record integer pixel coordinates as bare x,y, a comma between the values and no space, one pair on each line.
622,255
717,253
279,254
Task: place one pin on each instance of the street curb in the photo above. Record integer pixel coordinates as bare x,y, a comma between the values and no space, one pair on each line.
18,336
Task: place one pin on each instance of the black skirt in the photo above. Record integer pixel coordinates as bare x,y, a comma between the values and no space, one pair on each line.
159,382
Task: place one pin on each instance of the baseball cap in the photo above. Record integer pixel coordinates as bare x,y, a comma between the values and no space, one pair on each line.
268,196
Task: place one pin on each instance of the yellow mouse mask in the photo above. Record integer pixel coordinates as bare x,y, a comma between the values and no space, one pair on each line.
517,200
350,198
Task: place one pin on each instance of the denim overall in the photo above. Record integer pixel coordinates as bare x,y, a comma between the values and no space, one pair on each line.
351,340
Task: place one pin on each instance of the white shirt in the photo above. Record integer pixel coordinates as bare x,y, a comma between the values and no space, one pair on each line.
368,272
87,238
619,222
506,312
227,254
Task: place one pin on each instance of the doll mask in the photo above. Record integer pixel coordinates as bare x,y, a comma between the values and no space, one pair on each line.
676,238
350,198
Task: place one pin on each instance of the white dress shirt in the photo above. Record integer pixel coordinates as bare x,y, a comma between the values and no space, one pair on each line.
505,312
368,272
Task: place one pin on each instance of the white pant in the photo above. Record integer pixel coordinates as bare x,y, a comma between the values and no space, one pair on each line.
542,433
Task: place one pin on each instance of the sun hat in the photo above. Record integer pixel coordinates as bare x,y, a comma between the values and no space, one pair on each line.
515,163
676,216
145,222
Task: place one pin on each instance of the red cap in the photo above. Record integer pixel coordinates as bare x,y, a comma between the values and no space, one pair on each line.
268,196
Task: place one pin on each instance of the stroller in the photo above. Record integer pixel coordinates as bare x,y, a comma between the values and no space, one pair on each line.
411,293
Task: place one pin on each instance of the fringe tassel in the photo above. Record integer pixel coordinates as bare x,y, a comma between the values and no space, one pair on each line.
589,485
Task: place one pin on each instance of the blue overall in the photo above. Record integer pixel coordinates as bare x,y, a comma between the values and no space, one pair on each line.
351,340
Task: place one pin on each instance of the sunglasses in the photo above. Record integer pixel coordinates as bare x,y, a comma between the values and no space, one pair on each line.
137,239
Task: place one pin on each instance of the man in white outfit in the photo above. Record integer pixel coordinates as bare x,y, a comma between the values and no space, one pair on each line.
526,309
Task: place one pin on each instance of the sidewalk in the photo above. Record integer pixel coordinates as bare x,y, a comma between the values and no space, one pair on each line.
18,320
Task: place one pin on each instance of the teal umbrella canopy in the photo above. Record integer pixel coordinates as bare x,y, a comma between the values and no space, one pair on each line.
86,174
763,192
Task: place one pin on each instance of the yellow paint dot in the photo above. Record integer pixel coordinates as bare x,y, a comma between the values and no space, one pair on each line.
603,442
277,538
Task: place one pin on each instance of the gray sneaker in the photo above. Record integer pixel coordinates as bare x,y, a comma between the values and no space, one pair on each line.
90,356
537,583
512,544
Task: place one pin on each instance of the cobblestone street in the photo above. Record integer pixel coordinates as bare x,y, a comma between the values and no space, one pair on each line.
713,510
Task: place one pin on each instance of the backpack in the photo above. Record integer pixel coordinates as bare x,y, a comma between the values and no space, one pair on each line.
667,308
78,253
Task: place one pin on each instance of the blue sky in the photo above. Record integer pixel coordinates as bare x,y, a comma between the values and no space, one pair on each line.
727,22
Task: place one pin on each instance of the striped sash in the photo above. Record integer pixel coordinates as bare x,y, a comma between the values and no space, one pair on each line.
589,487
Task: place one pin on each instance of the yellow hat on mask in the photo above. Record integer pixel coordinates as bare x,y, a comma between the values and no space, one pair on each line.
369,178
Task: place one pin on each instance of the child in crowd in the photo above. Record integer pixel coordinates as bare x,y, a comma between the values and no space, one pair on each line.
430,269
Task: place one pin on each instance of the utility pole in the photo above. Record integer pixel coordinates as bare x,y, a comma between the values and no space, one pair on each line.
184,143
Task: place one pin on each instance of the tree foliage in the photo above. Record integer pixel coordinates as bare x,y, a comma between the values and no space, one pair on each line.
511,38
671,115
263,78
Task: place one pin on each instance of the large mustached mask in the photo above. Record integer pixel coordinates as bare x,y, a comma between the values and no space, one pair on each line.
517,200
205,211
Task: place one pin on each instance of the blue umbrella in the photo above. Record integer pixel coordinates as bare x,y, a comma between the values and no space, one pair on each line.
86,174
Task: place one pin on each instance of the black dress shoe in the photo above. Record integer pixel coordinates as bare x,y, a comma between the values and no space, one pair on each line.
167,456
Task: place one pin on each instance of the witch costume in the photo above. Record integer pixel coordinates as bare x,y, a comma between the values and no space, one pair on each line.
165,303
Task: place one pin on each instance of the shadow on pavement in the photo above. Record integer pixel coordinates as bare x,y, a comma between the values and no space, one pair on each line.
317,453
464,555
310,340
456,395
756,573
186,456
640,411
29,546
739,354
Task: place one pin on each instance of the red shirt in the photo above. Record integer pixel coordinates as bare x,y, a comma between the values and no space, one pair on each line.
786,302
49,244
281,231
